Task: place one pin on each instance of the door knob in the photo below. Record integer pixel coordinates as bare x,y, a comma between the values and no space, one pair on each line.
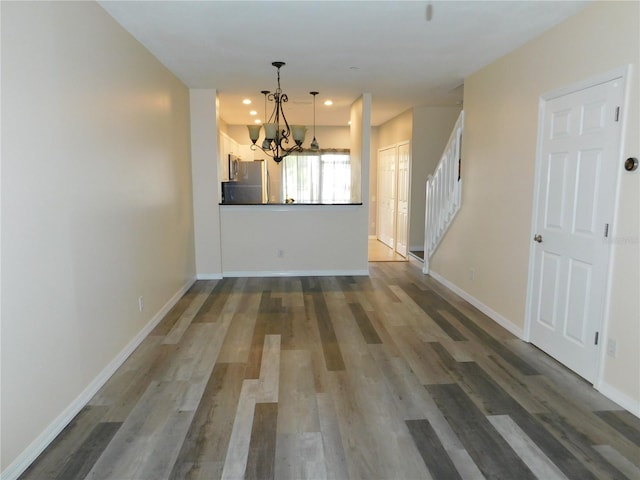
537,238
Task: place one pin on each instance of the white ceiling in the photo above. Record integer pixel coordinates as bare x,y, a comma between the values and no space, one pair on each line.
395,50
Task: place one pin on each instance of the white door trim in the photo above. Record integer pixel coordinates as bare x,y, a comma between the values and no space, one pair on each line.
408,192
623,74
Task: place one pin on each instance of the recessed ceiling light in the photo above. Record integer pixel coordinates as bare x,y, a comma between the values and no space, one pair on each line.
258,121
328,103
246,101
253,112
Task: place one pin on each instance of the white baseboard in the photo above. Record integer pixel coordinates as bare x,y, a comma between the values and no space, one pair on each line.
625,401
492,314
26,458
209,276
297,273
415,258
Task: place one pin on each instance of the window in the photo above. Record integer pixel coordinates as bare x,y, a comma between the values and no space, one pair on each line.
312,177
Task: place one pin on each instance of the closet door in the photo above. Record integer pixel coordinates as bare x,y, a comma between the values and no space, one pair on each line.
387,159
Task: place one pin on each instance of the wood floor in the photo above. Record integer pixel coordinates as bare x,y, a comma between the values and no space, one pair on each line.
382,377
380,252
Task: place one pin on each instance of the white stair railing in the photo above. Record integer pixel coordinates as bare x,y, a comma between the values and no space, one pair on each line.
443,193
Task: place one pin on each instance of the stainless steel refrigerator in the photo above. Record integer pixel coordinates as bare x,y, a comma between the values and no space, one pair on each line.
247,183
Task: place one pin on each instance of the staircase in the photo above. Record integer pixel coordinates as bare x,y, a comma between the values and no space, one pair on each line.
443,194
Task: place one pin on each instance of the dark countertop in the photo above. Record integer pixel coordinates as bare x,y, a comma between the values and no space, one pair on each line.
290,204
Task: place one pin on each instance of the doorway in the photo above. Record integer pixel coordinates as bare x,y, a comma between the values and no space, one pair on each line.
576,180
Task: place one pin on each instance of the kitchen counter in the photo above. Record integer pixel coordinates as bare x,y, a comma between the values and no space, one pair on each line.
276,239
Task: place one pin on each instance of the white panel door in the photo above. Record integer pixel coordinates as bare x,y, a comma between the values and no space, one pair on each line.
387,160
402,212
575,198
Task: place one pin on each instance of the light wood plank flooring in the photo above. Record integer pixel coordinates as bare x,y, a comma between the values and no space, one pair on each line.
382,377
380,252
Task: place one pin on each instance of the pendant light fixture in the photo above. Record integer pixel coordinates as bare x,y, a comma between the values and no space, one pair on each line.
314,143
277,130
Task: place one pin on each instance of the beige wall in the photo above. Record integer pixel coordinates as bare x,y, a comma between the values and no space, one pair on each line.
373,182
206,174
398,129
96,208
274,240
492,232
360,141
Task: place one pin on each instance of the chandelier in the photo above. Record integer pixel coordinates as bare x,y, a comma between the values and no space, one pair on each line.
277,131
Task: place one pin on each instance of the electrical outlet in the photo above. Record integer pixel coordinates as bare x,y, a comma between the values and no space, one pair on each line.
140,303
612,348
280,253
472,274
